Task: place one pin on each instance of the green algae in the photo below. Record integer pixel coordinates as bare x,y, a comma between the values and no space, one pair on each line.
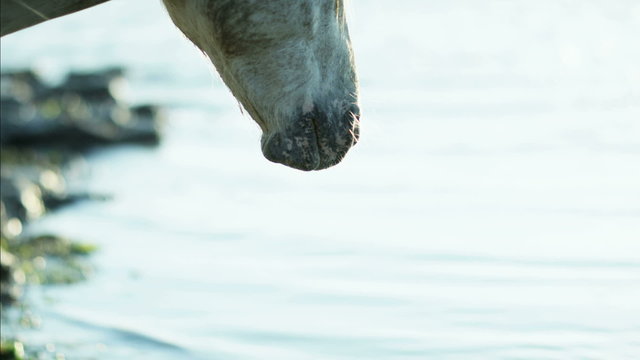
50,259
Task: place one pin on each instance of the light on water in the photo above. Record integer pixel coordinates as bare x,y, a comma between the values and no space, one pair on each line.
490,211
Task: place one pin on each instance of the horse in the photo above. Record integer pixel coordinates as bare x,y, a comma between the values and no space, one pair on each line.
289,63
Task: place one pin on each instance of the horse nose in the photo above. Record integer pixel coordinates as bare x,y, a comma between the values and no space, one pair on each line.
314,141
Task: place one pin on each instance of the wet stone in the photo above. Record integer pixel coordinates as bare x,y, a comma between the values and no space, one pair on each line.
86,110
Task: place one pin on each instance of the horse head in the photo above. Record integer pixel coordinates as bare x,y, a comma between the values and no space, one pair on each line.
290,64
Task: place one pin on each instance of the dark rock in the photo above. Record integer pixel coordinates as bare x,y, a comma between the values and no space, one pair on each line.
11,278
30,188
95,86
12,205
83,112
22,85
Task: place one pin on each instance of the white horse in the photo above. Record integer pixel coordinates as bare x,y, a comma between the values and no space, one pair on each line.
288,62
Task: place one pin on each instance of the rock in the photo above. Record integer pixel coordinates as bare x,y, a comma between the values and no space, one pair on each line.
11,278
96,86
23,85
33,184
85,111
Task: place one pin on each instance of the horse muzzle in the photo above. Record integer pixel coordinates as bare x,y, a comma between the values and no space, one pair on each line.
316,141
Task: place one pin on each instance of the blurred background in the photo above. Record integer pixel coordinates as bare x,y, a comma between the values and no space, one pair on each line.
490,211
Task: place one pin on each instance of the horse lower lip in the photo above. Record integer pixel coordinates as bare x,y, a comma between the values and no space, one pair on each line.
287,152
297,147
310,144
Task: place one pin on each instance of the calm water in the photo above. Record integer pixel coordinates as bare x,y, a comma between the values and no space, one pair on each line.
491,210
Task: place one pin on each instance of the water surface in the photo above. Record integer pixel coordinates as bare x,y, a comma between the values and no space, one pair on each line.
490,211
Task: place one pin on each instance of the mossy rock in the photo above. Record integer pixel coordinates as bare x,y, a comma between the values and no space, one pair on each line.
50,259
12,350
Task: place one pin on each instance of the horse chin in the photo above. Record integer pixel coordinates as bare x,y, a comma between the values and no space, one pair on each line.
314,142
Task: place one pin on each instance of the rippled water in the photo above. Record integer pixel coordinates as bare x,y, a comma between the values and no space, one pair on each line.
491,210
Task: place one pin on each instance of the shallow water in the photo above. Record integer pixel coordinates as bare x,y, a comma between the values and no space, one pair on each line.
490,210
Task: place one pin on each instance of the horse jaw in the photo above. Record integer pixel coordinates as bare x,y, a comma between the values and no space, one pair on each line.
290,64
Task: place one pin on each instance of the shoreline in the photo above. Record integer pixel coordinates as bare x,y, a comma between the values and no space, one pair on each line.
46,131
